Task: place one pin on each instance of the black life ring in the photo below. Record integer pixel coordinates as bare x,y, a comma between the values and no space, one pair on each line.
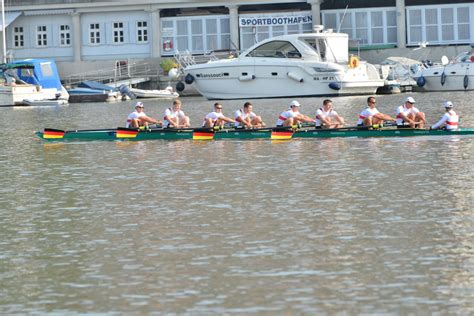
466,81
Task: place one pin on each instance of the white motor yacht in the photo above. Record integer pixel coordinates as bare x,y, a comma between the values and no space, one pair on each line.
296,65
448,76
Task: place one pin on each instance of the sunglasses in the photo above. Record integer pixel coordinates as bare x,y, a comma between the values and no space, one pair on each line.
219,107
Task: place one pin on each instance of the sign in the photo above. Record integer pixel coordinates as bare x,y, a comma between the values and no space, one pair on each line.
275,20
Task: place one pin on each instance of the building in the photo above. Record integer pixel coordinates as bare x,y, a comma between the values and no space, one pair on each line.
82,34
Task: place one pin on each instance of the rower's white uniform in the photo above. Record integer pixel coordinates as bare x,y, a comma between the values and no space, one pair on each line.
133,115
240,113
450,118
286,115
365,114
402,109
214,116
320,113
169,113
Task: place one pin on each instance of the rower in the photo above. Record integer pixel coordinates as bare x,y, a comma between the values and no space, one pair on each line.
292,116
174,117
246,118
138,118
326,117
450,120
216,118
371,116
408,116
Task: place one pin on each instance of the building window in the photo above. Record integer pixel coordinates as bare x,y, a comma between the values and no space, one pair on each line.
94,33
18,37
197,35
142,32
118,32
64,35
440,24
376,26
41,36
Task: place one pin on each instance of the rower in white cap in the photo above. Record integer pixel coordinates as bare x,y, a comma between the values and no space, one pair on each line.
138,118
408,116
450,120
292,116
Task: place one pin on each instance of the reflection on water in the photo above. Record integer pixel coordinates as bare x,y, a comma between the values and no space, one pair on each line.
302,227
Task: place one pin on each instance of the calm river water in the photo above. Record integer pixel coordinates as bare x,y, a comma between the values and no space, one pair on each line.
351,226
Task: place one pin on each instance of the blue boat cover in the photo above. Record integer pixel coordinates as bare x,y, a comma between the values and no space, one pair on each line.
44,73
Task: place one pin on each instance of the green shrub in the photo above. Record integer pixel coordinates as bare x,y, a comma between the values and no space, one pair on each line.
167,64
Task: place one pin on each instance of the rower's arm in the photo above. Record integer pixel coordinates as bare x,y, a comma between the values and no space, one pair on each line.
440,122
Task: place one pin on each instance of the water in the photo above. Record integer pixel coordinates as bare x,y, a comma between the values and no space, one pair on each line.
358,226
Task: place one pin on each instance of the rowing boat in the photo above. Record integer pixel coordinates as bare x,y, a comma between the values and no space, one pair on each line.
280,133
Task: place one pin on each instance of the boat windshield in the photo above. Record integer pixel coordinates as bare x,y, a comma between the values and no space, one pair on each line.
464,57
275,49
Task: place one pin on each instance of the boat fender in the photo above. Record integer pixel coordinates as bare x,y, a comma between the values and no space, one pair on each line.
173,73
295,77
189,79
466,81
125,90
421,81
354,62
179,86
443,78
335,85
247,77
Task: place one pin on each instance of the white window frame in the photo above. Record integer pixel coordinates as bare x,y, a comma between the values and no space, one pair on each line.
18,37
95,34
41,36
169,33
142,32
118,33
440,41
64,35
350,14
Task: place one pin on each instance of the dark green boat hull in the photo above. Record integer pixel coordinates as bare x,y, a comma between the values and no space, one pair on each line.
170,134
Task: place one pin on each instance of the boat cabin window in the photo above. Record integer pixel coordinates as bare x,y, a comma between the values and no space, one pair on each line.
275,49
319,45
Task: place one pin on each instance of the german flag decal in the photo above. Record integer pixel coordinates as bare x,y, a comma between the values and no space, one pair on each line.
205,134
126,133
50,133
282,134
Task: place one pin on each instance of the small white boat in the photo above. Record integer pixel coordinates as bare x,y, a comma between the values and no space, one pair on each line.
295,65
162,94
30,79
45,102
457,75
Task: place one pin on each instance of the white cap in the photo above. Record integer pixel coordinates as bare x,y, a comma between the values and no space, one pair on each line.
410,99
294,103
448,104
139,104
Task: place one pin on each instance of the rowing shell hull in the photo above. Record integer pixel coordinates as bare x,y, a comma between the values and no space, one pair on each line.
169,134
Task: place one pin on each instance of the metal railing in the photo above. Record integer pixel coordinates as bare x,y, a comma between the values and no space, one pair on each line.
121,70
